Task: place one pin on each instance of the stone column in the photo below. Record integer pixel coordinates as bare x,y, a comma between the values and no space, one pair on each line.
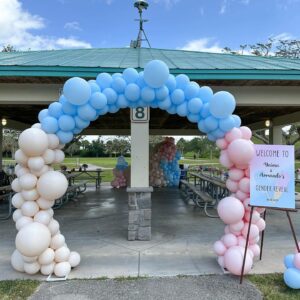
275,135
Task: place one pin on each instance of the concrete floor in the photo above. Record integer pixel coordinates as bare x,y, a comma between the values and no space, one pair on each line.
182,238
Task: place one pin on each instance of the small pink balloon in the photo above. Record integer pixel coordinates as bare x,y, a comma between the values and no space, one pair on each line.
221,261
241,241
260,210
254,231
241,195
221,144
233,134
242,167
246,203
230,240
219,248
226,230
246,132
261,224
244,185
231,210
231,185
247,172
225,161
255,249
240,152
236,174
237,227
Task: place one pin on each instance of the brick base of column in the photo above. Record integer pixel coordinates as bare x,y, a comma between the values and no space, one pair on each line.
139,213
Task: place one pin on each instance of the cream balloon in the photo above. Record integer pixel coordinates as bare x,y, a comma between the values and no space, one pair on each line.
17,214
17,261
42,171
62,269
53,141
17,200
17,168
23,221
33,239
31,268
59,156
62,254
27,181
22,171
28,259
74,259
15,185
47,269
36,125
52,185
60,146
36,163
57,241
53,227
45,204
33,142
20,157
47,257
30,195
29,208
49,156
50,211
42,217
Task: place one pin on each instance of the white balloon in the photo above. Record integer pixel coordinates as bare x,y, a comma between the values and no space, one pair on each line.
33,142
53,227
28,259
59,156
15,185
50,211
57,241
49,156
62,269
60,146
42,171
22,171
29,208
17,168
74,259
62,254
17,215
52,185
17,261
44,204
33,239
31,268
53,141
20,157
17,200
27,181
23,221
36,163
47,269
42,217
30,195
47,257
37,125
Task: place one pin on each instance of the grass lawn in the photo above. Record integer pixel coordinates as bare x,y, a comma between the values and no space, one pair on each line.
17,289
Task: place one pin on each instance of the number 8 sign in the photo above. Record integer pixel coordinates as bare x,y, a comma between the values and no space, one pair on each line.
140,114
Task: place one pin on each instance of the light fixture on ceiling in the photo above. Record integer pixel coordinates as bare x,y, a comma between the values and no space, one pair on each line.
268,123
3,121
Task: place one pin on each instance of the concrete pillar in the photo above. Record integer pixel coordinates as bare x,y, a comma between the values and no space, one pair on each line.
139,192
275,135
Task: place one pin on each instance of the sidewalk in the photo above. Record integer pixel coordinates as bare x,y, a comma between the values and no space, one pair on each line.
214,287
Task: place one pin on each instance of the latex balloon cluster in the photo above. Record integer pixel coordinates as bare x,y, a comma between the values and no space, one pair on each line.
164,168
236,153
292,273
40,246
119,173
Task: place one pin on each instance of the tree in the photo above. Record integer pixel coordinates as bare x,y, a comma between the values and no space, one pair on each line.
8,48
10,141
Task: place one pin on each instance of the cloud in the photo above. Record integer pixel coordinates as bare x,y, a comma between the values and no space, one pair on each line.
168,3
227,3
205,44
19,27
73,26
282,36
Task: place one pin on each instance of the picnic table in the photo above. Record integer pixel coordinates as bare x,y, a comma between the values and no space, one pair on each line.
94,174
6,194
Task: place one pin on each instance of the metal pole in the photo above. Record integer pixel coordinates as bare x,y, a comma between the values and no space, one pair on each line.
293,231
262,236
1,145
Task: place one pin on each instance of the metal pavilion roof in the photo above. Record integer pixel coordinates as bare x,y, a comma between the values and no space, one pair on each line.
197,65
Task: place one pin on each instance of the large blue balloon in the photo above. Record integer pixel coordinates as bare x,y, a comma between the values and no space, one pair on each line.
292,278
226,124
222,105
64,136
130,75
104,80
147,94
161,93
55,109
66,123
182,81
77,91
156,73
195,105
86,112
49,124
98,100
132,92
191,90
111,95
118,84
177,96
211,123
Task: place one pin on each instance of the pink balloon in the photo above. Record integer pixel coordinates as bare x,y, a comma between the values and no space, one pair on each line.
241,195
231,210
254,231
241,241
236,174
225,161
233,260
230,240
240,152
242,167
260,210
255,217
226,230
247,172
246,203
233,134
244,185
221,261
237,227
231,185
296,250
246,132
261,224
254,241
221,144
255,249
219,248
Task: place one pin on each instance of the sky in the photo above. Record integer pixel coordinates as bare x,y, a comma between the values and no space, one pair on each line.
204,25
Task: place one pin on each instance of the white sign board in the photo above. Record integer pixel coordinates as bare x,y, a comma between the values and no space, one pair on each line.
140,114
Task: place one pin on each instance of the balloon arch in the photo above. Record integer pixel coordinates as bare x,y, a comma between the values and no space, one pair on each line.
40,246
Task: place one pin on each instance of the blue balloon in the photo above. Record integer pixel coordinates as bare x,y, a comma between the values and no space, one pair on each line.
43,114
292,278
111,95
191,90
161,93
140,81
116,75
132,92
77,91
66,123
205,94
172,110
94,86
177,96
154,104
211,123
69,108
171,83
86,112
289,261
218,133
64,136
204,113
98,100
55,109
226,124
122,102
222,105
165,104
211,137
119,85
113,108
147,94
202,127
194,118
156,73
237,121
63,99
76,130
182,109
80,123
182,81
103,111
195,105
130,75
104,80
49,124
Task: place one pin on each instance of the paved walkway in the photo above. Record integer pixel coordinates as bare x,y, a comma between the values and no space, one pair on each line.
175,288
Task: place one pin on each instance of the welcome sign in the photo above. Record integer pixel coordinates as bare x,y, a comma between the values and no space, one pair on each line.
272,173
